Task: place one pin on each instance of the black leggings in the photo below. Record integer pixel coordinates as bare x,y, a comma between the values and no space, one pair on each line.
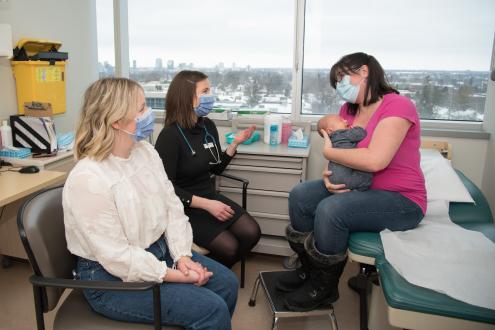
235,242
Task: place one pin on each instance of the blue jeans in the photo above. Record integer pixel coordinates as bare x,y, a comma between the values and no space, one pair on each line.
193,307
332,217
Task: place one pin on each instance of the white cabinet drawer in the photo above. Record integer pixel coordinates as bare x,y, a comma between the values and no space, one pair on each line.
268,161
259,200
271,224
263,178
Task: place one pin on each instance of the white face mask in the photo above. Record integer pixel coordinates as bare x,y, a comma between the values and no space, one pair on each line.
347,91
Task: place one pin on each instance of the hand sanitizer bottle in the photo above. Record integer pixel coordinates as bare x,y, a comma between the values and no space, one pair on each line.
6,133
273,134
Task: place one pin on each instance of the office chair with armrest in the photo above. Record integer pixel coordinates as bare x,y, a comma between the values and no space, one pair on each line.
41,227
245,184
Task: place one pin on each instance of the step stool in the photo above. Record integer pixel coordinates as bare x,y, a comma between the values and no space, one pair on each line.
268,280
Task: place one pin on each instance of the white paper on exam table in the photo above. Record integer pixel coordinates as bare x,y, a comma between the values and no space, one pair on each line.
444,257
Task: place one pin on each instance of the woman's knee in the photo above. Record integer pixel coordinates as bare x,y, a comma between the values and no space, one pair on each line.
330,230
231,253
247,230
232,289
226,287
329,213
297,194
299,210
229,280
225,245
215,314
305,196
223,280
254,229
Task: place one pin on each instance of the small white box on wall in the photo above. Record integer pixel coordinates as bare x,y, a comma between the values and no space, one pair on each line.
5,40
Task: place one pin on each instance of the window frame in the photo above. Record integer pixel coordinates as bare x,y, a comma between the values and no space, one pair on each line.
122,68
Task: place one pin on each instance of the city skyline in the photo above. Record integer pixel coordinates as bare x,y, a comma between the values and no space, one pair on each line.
451,95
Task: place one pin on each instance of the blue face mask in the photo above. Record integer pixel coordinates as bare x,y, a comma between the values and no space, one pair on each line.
144,126
205,105
347,91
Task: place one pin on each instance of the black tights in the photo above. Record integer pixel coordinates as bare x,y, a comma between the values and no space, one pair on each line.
235,242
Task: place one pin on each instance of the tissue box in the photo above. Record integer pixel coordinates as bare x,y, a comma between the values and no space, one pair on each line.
294,143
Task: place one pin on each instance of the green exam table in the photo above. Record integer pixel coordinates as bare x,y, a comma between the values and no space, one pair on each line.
413,307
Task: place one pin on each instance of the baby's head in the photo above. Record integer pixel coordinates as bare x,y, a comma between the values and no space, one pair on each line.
331,123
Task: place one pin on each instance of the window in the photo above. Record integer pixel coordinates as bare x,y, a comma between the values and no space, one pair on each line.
106,47
244,47
431,53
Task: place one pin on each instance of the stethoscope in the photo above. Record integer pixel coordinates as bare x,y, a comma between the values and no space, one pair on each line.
207,145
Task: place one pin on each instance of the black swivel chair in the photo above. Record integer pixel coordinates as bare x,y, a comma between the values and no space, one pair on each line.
41,227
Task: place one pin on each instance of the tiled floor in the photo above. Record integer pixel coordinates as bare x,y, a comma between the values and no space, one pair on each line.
17,308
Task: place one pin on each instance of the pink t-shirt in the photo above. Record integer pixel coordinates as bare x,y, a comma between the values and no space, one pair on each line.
403,174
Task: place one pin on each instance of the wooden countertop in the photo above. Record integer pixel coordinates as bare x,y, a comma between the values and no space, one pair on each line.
14,186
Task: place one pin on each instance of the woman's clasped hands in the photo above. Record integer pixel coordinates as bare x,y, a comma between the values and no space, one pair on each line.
193,271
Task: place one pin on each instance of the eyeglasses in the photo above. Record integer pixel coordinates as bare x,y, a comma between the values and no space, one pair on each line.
340,74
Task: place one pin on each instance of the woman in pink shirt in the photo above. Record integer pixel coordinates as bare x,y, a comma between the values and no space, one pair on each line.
323,214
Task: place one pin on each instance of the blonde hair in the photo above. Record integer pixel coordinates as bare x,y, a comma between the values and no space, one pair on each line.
106,101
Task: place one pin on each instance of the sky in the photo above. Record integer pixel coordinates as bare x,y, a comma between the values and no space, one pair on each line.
409,35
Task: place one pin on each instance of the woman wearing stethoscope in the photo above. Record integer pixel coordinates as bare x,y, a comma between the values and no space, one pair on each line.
190,150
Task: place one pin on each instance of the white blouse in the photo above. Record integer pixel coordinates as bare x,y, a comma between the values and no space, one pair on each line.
116,208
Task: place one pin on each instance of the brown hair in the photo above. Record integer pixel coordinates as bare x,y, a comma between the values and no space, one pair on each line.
106,101
377,84
180,97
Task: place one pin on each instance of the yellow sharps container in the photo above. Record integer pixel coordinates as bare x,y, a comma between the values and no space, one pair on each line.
39,73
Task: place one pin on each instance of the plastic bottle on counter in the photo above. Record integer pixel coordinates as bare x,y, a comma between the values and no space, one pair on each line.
286,130
274,134
269,121
6,133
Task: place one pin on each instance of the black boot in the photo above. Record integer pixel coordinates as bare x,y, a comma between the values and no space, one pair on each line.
322,288
291,280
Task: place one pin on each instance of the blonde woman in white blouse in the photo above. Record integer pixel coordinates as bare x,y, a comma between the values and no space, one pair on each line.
125,223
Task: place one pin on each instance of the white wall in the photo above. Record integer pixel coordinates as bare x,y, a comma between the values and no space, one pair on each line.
73,22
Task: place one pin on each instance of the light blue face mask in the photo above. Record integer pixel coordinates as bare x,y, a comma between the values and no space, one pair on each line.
347,91
205,105
144,126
